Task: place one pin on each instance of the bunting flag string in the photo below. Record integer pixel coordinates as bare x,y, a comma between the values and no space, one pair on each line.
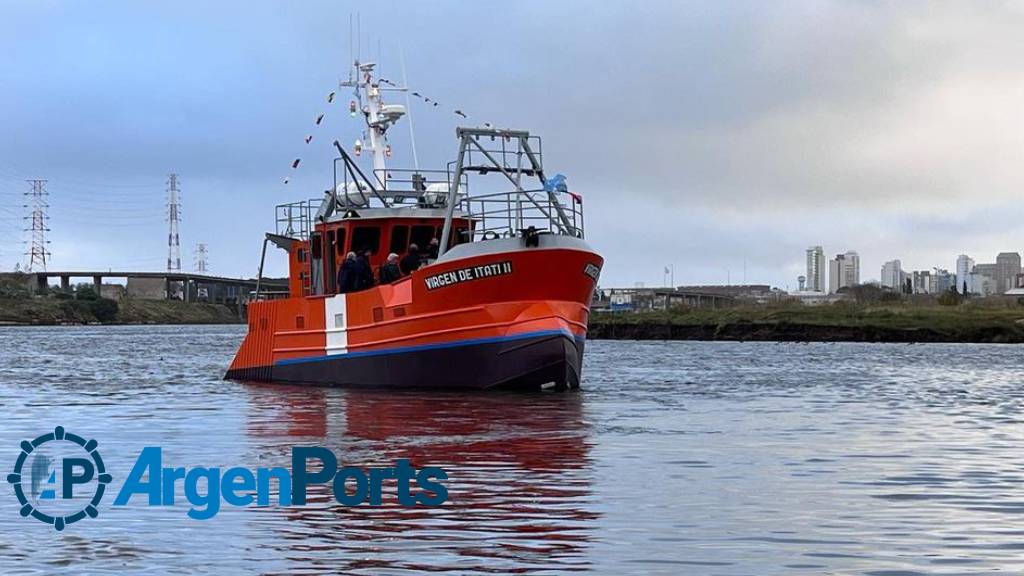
330,100
423,98
309,137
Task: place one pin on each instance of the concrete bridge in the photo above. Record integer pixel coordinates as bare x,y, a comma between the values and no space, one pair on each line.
165,285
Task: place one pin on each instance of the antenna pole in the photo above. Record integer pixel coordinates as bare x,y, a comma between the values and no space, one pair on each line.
408,111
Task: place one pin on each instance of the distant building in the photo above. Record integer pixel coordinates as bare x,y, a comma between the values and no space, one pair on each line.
1007,268
942,281
964,266
921,282
646,299
816,269
983,285
802,282
809,298
984,279
893,276
756,293
843,271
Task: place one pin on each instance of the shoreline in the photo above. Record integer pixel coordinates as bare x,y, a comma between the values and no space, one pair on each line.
967,323
48,311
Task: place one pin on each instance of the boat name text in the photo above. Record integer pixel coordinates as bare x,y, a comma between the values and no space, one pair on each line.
467,274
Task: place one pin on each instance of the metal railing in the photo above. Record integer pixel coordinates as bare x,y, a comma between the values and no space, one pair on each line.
508,214
295,219
515,155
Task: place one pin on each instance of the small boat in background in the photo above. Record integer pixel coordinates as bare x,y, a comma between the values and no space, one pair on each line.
502,304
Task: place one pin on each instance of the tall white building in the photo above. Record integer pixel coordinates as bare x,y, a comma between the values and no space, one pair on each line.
964,267
892,275
843,271
816,269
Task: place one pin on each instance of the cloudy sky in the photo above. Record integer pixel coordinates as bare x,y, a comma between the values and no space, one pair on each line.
716,137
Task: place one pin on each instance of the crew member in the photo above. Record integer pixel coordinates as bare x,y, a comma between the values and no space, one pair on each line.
389,272
433,248
412,260
347,274
364,272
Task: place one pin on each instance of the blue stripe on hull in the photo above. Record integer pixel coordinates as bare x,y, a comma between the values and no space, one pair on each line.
422,347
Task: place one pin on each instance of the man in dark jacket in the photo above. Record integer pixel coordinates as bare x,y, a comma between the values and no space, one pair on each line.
390,272
412,261
347,274
364,272
433,248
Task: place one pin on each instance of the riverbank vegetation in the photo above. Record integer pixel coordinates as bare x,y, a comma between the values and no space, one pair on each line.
924,320
81,305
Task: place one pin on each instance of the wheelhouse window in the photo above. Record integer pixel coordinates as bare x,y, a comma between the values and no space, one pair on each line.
339,242
316,245
422,235
366,238
399,239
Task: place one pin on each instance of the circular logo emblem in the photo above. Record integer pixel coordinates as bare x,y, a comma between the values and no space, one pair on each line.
65,480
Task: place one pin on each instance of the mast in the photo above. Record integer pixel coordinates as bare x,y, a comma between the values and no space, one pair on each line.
378,115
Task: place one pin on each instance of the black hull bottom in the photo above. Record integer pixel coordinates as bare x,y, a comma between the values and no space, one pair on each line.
527,363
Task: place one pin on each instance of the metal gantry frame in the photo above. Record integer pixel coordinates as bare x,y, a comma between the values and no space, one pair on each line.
469,142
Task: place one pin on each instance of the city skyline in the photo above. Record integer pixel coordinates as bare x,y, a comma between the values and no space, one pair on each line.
1004,273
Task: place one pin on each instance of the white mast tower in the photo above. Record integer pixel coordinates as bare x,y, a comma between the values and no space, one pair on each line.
379,116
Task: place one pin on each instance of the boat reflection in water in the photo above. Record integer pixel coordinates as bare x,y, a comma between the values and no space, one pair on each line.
519,479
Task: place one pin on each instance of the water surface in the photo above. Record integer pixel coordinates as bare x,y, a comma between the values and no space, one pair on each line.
675,458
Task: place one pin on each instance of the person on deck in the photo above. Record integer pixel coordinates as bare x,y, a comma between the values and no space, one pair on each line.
433,248
347,274
390,272
364,272
412,260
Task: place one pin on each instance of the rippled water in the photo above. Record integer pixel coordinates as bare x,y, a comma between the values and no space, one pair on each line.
675,458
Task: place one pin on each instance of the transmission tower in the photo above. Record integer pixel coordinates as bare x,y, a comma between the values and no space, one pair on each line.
173,219
38,253
202,262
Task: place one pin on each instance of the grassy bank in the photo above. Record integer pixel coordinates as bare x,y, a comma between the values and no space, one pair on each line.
897,322
50,311
83,306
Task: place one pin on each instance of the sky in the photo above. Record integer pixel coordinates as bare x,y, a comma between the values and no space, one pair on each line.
720,139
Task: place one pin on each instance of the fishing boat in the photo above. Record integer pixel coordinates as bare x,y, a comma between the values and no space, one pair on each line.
502,304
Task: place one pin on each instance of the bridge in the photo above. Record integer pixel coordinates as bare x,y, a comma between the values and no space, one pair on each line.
185,286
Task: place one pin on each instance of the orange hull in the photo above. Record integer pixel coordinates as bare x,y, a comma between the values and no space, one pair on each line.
511,318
